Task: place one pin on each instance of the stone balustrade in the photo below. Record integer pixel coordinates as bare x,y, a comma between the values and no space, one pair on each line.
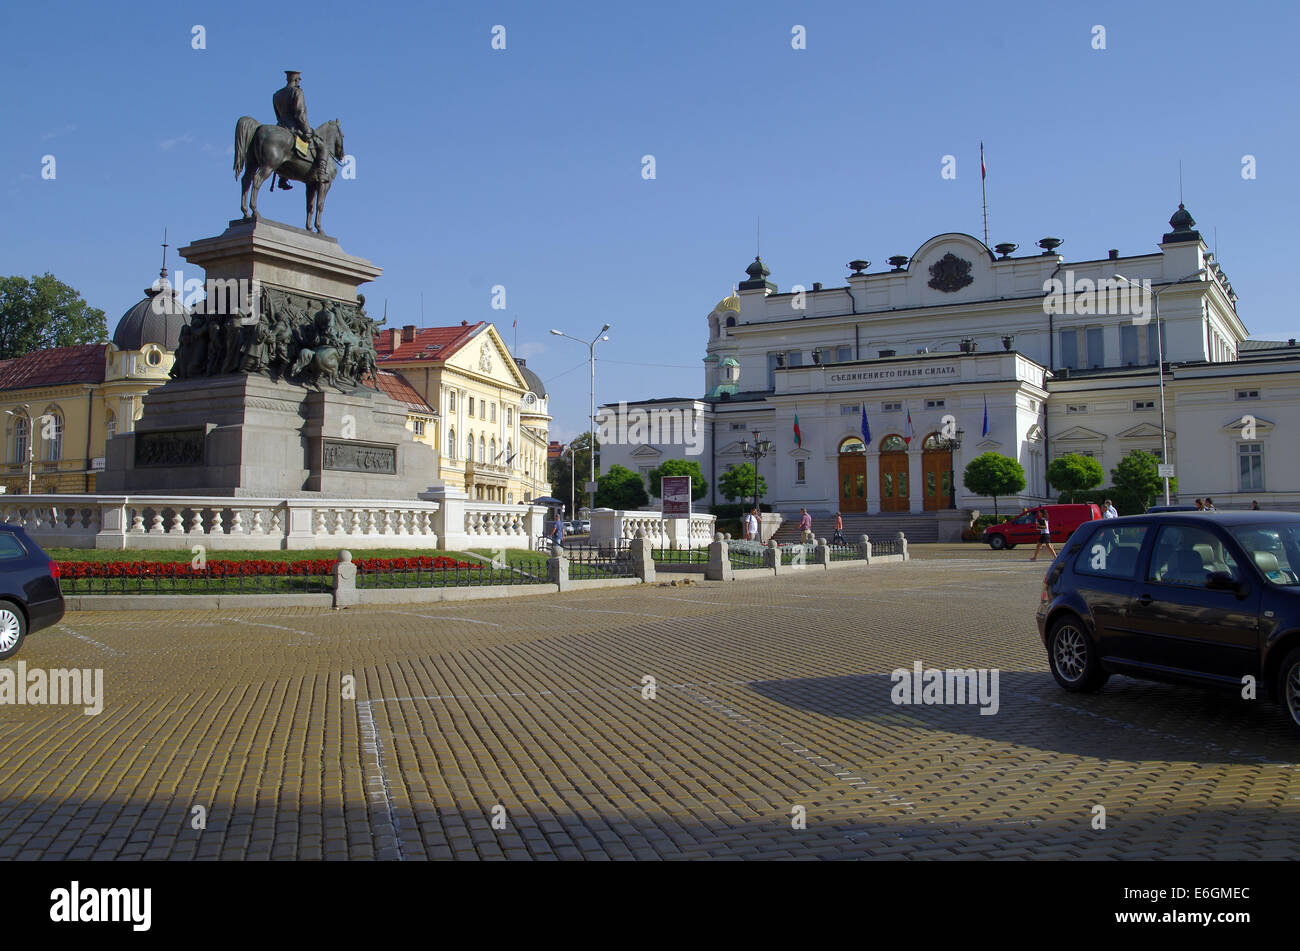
179,522
614,525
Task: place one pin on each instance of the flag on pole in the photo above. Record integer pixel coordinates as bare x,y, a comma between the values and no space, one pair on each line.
986,417
798,435
983,173
907,432
866,428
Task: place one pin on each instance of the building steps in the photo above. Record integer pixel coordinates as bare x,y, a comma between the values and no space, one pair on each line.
916,528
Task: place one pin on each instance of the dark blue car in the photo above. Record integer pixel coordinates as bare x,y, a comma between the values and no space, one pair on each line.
1209,598
30,598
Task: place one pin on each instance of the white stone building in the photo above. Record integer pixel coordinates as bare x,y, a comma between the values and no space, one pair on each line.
1062,353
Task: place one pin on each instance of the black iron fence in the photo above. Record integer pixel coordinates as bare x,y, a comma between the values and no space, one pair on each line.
198,582
498,572
681,556
886,546
609,559
746,557
845,553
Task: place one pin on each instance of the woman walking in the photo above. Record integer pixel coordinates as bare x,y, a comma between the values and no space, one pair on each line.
1044,535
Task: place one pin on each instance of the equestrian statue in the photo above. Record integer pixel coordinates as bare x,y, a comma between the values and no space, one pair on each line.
290,149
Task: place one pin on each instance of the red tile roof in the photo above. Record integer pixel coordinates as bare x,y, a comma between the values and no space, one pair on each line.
395,385
431,343
80,364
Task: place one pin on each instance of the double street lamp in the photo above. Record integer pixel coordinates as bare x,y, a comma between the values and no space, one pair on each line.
758,449
591,433
31,440
1160,362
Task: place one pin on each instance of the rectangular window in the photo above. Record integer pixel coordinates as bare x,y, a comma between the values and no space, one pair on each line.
934,404
1139,405
1128,345
1076,407
843,354
471,406
891,407
1248,394
849,410
418,427
1069,355
1112,552
771,371
510,416
800,470
886,353
1250,463
794,358
494,413
739,427
1096,347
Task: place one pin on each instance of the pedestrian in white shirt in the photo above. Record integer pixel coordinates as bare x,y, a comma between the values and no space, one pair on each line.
751,526
1109,511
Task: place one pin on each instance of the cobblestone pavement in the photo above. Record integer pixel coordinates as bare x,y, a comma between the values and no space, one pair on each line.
523,728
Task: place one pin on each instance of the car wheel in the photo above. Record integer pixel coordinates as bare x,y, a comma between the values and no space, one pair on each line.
1073,656
997,543
13,628
1288,690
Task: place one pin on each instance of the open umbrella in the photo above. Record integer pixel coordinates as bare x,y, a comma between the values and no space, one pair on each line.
546,500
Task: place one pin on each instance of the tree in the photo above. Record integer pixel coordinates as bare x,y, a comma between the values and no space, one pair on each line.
679,467
1138,473
620,488
993,474
738,483
43,312
1074,473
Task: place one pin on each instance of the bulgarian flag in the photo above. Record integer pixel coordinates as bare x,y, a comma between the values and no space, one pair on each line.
907,432
798,433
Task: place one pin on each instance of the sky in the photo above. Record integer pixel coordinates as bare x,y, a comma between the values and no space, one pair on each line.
525,167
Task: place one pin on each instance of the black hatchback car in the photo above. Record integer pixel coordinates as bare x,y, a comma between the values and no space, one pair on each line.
1210,598
30,598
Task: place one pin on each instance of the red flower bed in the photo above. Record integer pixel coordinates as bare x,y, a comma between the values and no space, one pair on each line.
258,567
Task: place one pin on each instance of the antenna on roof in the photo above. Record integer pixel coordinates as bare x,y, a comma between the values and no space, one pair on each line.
1180,182
758,236
421,309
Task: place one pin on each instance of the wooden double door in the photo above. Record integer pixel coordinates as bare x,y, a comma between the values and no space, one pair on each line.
853,482
936,475
894,486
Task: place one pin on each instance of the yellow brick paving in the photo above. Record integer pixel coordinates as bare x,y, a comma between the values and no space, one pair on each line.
518,729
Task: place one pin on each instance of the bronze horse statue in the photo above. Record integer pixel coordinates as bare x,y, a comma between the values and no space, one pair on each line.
264,150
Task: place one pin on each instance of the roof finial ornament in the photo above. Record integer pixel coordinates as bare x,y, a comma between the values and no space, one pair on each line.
162,273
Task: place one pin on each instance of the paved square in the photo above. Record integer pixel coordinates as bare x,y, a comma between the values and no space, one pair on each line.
522,728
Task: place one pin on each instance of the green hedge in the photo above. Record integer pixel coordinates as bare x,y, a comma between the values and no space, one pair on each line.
735,510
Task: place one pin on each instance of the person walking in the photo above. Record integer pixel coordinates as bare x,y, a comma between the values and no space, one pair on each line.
805,526
557,534
1044,535
1109,511
751,526
838,537
1254,506
1200,506
1209,504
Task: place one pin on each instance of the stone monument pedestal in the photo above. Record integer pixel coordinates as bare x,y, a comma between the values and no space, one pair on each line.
280,427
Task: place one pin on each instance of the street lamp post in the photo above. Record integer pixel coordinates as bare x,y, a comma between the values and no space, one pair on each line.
758,449
1160,362
573,481
31,440
591,433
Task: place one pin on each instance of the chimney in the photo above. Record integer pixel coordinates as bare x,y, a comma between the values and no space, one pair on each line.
408,333
394,338
1113,254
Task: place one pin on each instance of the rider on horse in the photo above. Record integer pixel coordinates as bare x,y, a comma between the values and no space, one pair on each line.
291,113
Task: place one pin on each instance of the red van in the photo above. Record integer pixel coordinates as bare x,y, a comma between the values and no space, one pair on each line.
1062,519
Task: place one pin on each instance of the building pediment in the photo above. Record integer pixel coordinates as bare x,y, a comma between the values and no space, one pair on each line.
988,445
800,453
1082,434
646,452
1240,423
1141,431
486,355
733,449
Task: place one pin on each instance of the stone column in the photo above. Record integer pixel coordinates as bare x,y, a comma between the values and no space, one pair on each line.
345,581
873,482
822,553
449,520
864,548
772,557
902,544
915,482
642,554
719,567
557,569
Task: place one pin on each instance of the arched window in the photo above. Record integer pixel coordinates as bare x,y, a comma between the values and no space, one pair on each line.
469,448
852,444
934,442
482,448
493,450
110,424
451,444
510,452
22,438
51,423
893,443
731,321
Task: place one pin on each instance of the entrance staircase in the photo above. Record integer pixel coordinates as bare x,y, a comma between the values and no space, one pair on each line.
916,528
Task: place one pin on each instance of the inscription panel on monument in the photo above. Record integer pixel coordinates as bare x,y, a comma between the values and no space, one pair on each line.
171,447
345,456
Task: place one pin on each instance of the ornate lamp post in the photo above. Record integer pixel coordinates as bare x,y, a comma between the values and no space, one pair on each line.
591,433
758,449
1160,362
952,444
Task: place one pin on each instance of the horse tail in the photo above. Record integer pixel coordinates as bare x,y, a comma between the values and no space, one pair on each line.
244,130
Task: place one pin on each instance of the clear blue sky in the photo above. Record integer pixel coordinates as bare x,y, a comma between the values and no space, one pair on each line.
522,167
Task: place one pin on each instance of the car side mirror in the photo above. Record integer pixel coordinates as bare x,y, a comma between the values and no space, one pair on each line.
1224,581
